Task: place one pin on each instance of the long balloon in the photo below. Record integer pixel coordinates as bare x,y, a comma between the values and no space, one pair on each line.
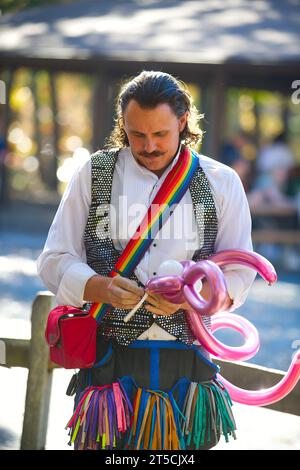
181,288
251,346
251,259
225,320
268,395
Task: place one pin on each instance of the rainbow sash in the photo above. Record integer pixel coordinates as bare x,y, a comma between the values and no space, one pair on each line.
170,193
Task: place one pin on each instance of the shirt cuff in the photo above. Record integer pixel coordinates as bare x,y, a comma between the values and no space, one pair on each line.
71,288
237,289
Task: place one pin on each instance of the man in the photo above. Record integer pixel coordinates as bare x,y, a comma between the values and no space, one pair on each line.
161,370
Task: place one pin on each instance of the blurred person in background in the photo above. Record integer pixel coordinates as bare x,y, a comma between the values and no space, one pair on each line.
271,192
232,155
274,163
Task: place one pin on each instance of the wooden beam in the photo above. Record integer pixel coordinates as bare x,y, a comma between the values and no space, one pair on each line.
288,237
16,352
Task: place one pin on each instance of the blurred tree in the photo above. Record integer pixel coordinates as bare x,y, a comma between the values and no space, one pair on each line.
8,6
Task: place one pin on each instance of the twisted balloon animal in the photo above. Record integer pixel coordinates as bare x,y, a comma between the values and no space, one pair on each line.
178,288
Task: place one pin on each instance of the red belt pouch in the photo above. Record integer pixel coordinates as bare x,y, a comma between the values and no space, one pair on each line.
71,335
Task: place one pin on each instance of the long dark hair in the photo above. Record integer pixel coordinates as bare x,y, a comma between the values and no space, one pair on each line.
149,89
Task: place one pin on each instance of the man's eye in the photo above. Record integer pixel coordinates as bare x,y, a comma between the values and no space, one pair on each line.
161,134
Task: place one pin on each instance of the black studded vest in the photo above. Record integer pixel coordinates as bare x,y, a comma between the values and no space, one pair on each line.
102,255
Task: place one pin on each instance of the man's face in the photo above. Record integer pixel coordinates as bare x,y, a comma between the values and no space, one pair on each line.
153,134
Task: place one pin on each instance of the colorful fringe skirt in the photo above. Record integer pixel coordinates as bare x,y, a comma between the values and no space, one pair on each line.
158,395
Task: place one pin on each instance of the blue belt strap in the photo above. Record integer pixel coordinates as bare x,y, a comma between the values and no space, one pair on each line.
154,368
137,344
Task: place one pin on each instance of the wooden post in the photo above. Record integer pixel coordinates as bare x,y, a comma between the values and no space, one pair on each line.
205,108
4,174
103,108
39,378
56,130
216,116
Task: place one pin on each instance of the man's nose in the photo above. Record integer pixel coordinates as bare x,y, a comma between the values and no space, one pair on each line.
149,145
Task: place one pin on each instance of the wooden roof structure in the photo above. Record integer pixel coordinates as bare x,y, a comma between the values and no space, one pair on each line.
206,32
213,43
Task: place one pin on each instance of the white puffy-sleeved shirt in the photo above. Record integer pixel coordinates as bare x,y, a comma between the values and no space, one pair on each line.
63,267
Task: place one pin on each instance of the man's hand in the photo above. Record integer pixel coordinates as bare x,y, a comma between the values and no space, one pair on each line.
124,293
157,304
160,306
117,291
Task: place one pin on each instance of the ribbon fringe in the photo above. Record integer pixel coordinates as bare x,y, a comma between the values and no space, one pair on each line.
155,421
101,416
208,414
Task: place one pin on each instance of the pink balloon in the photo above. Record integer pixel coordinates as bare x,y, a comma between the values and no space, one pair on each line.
179,289
228,320
179,297
171,287
161,284
251,346
187,264
268,395
250,259
217,283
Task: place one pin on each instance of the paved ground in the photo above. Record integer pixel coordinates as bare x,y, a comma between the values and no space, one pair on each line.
274,310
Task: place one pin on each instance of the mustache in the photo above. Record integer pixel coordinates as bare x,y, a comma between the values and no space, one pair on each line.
156,153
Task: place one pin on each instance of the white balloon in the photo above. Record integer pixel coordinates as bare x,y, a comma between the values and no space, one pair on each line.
170,267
